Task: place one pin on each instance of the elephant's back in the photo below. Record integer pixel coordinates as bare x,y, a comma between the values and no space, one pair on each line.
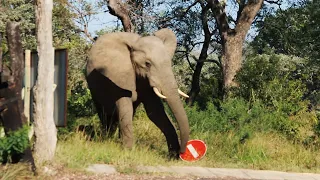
110,48
110,55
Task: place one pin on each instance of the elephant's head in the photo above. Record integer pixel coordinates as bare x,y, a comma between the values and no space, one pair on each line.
124,56
152,59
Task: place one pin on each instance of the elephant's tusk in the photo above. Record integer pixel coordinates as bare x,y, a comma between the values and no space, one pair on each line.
156,90
183,94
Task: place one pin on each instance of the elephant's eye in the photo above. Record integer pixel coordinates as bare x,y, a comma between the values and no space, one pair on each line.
148,64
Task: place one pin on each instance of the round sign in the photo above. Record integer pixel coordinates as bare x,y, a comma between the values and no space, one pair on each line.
196,149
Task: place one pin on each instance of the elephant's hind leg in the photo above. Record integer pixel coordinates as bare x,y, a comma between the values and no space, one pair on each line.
125,114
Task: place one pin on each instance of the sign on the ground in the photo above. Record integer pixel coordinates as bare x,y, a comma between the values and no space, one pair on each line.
196,149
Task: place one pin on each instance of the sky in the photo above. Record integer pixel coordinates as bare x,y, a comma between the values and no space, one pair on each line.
100,21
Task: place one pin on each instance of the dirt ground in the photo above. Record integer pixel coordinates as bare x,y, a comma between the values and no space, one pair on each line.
67,174
131,177
62,173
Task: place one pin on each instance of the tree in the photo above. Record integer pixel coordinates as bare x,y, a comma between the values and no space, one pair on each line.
295,31
135,16
12,110
207,24
13,116
210,28
44,126
297,35
232,39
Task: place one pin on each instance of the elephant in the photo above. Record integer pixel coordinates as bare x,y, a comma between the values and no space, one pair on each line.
124,70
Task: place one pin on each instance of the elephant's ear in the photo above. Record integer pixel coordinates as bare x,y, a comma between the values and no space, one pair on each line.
169,39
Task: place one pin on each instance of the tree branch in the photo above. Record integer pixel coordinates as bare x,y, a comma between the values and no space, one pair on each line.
212,61
273,2
118,9
180,15
247,15
241,4
186,54
189,62
218,9
83,20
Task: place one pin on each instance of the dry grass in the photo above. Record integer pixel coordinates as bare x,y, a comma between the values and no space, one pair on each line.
15,171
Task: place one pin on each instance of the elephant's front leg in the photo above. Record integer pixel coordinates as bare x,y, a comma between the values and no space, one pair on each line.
155,111
125,114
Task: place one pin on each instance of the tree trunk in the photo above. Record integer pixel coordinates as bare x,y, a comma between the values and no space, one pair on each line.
231,59
232,39
44,126
13,117
195,85
118,9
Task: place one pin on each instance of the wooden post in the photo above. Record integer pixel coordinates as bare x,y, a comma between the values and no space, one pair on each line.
27,84
27,88
1,52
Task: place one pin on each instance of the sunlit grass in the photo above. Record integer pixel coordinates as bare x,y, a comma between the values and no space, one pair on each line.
262,150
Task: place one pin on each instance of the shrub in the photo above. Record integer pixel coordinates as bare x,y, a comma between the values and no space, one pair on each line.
79,101
238,116
13,144
275,80
88,126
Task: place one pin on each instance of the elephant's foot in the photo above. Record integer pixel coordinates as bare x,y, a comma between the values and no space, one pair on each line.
173,155
174,152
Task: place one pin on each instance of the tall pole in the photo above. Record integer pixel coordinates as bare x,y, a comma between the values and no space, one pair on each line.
44,127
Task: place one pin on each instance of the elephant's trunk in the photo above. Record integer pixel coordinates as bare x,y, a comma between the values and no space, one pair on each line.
177,109
170,90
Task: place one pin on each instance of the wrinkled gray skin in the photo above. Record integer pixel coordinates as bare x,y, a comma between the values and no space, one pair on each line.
122,70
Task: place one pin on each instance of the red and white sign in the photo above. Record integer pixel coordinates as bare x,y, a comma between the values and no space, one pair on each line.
196,149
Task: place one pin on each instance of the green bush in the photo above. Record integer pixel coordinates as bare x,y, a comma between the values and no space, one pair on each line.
275,80
79,101
81,111
89,126
244,119
13,144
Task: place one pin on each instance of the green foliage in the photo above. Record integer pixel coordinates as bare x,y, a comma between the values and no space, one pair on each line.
21,11
14,143
210,80
77,58
88,127
64,29
295,31
291,31
238,116
79,101
273,79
